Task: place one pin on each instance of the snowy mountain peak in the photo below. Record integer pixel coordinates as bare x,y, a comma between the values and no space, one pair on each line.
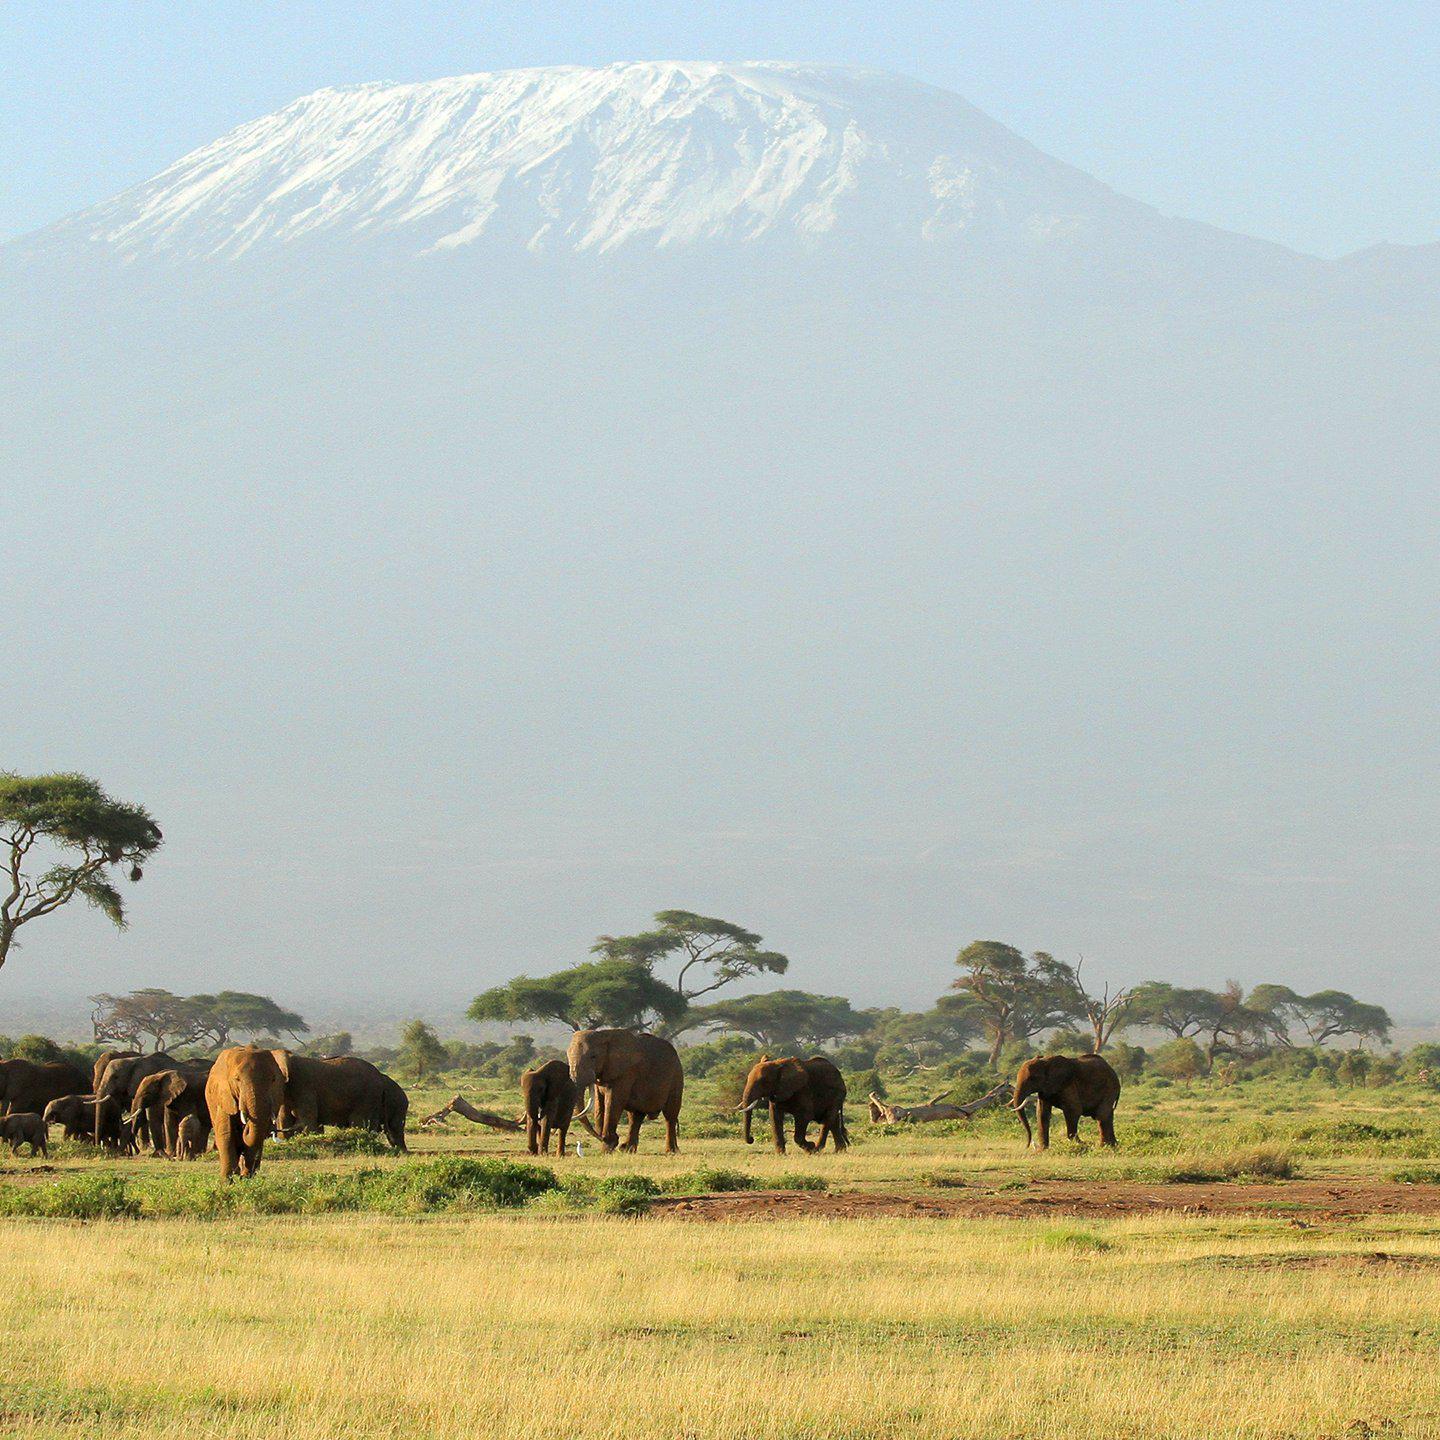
644,154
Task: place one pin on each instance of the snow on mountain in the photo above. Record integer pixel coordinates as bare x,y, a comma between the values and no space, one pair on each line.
590,160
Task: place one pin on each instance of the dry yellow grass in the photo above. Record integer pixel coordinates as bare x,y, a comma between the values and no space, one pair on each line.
589,1327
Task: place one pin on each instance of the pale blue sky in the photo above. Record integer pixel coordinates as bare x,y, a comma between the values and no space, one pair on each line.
1310,124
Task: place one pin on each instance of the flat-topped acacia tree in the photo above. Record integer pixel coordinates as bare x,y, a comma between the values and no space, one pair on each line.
62,836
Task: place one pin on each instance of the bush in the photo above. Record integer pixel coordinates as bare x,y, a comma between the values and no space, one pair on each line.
801,1180
1258,1162
1069,1237
76,1197
334,1142
709,1180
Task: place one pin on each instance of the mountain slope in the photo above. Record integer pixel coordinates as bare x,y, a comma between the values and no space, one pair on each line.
630,155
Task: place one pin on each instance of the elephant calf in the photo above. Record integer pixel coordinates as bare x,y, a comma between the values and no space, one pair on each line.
190,1138
26,1128
75,1114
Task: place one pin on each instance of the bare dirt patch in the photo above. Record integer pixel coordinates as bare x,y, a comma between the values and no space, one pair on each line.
1303,1201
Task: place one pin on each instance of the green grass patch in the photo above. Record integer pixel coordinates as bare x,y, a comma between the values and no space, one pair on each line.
334,1142
1075,1240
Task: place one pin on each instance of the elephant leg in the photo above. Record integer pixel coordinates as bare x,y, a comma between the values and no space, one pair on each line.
802,1126
226,1145
544,1134
562,1133
1107,1126
615,1107
1042,1124
777,1126
532,1135
672,1130
1072,1120
632,1140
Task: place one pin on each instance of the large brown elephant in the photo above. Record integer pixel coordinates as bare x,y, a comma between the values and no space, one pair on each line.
115,1099
75,1114
340,1090
28,1086
809,1090
631,1072
550,1096
1083,1085
244,1094
177,1093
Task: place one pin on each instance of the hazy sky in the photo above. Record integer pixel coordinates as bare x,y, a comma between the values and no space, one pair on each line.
1310,124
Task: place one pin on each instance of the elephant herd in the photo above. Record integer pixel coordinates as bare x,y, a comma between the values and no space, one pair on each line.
132,1102
174,1107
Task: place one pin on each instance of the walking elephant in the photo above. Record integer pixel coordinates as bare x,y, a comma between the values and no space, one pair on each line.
244,1094
1083,1085
115,1100
632,1072
75,1114
178,1094
809,1090
28,1086
340,1090
550,1096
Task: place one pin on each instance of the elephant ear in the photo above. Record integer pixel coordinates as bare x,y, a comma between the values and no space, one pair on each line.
172,1087
790,1079
282,1059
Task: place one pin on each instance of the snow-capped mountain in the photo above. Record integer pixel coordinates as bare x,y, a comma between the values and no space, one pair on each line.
630,155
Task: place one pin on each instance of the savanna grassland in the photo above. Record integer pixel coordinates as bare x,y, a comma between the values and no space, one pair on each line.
982,1293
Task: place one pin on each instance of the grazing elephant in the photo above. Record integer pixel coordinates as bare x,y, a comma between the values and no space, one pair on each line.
812,1089
340,1090
190,1137
75,1113
244,1094
176,1094
28,1086
1085,1085
115,1099
17,1129
631,1071
550,1096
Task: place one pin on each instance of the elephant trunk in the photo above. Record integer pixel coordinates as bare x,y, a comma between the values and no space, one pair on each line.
748,1101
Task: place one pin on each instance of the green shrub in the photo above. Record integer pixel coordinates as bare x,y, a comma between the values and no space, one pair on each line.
77,1197
801,1180
334,1142
709,1180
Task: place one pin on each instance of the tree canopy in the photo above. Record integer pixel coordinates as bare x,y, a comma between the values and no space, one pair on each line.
211,1021
594,993
421,1052
783,1020
1015,995
715,950
81,837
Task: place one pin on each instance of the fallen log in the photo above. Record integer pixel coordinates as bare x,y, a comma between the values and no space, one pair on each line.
883,1114
459,1105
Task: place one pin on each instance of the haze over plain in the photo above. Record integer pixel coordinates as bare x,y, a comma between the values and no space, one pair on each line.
475,515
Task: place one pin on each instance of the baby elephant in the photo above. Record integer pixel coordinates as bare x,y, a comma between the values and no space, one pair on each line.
25,1129
189,1138
549,1105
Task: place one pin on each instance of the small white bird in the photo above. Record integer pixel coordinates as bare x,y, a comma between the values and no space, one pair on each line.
579,1153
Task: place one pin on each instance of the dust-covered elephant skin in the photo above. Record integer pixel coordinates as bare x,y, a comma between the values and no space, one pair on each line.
28,1086
631,1072
244,1094
340,1090
19,1129
807,1090
1079,1085
549,1094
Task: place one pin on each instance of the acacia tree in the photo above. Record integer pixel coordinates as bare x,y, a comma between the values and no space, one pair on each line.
421,1051
70,826
1325,1015
210,1020
714,950
783,1019
1015,995
614,992
1181,1012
